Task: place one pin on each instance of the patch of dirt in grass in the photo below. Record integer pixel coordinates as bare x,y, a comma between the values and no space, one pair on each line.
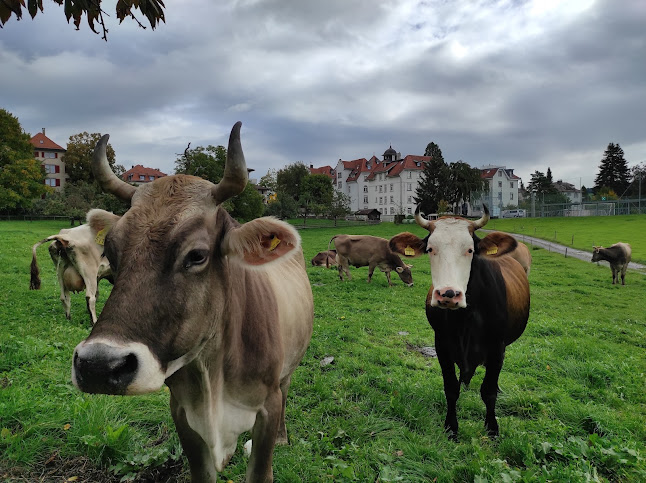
82,470
425,351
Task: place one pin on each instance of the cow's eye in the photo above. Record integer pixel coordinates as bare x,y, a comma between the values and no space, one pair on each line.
195,258
470,250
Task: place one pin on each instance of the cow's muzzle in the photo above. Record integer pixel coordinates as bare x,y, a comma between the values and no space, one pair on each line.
448,298
103,369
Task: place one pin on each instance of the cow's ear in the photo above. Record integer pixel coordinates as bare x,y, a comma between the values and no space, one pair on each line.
101,220
497,243
407,244
261,241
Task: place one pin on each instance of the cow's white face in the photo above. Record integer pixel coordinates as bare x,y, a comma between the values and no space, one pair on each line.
450,248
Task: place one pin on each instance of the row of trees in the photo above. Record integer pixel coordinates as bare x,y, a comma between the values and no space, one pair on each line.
297,192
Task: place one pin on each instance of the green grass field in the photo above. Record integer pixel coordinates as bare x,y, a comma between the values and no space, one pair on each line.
572,405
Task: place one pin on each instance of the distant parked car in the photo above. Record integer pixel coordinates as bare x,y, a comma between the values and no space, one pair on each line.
514,214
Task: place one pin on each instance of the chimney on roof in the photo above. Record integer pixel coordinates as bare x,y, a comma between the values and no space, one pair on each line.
43,131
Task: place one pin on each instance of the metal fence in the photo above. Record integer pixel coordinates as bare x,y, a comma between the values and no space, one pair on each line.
589,208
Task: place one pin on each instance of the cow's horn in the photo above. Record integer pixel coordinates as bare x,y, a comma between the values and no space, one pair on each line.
109,182
482,221
235,171
421,221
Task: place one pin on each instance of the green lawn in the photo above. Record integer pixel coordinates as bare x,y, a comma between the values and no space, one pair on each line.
583,232
572,405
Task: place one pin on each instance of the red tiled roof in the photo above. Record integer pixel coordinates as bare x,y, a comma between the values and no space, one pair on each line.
41,141
326,170
409,162
139,170
490,172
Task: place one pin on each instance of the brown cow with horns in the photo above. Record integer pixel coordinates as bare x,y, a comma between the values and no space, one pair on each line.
220,312
477,305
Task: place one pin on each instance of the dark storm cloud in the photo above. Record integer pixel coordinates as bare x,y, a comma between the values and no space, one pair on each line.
525,84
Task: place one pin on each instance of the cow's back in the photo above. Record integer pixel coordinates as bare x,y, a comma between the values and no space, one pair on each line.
625,250
359,249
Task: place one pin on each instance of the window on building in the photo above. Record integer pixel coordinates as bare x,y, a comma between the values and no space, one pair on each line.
129,177
511,185
410,199
410,174
410,211
51,155
380,189
50,168
499,184
500,195
151,178
409,187
365,189
339,184
392,210
142,177
511,196
392,187
500,174
338,175
392,199
36,154
53,182
365,199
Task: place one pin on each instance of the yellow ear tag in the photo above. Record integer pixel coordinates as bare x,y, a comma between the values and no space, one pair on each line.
100,237
274,243
409,252
492,251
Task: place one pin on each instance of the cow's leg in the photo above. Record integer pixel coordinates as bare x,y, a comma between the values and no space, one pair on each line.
623,274
91,289
387,272
489,389
263,435
65,294
614,275
451,390
281,438
196,450
371,269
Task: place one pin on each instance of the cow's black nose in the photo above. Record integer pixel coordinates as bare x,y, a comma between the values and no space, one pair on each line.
449,294
102,369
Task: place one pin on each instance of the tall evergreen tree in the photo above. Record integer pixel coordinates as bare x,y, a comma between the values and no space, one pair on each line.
433,185
613,170
548,175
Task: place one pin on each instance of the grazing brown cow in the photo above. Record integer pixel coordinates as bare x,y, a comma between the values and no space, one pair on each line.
325,259
618,255
477,305
220,312
497,243
76,253
370,251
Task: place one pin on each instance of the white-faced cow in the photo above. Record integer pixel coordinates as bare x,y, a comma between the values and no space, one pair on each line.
618,255
76,253
220,312
325,259
477,305
370,251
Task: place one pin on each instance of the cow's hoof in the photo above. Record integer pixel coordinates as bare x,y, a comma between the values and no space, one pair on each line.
247,448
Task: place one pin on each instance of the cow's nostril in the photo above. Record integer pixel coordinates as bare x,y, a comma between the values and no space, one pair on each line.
449,294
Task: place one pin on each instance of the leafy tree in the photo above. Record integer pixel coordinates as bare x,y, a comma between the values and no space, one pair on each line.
638,176
283,207
21,176
153,10
78,157
540,184
464,182
434,182
613,170
269,180
315,194
340,205
289,180
248,204
206,162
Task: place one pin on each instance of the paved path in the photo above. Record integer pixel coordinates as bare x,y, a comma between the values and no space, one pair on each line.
567,251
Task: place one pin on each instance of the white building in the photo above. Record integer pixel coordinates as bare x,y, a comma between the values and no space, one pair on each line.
502,188
388,185
569,190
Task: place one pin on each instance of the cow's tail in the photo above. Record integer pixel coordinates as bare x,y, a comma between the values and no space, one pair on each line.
34,282
327,258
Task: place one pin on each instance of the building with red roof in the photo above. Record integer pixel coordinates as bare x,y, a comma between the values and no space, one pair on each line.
50,155
502,188
387,185
140,174
326,170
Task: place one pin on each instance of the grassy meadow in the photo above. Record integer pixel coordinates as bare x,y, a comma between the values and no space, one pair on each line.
572,405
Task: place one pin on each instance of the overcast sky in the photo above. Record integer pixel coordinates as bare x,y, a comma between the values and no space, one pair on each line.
525,84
